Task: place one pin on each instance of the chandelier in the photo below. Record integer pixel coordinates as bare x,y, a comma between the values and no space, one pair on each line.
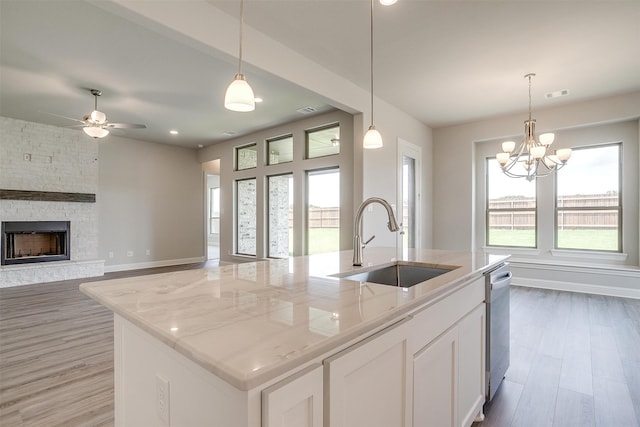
532,158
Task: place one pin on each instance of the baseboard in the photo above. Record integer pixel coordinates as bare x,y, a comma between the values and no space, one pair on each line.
151,264
579,287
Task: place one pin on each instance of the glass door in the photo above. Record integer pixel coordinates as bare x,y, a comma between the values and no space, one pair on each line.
408,211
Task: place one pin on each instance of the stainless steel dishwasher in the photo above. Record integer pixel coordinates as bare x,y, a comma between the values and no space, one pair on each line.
497,286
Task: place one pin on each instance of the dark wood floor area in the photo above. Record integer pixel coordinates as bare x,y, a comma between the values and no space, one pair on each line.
575,359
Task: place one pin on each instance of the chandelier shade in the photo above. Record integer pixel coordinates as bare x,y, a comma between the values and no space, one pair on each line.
532,158
239,95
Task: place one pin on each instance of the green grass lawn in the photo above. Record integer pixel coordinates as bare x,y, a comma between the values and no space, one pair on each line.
323,240
600,240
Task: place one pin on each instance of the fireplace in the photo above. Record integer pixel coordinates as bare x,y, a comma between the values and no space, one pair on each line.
26,242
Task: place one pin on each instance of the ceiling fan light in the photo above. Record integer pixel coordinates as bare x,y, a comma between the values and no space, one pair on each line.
98,117
95,131
372,139
387,2
239,95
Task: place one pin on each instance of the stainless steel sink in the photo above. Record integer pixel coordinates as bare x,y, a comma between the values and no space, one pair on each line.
400,275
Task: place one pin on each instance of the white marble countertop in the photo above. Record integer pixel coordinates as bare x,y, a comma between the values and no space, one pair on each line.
249,323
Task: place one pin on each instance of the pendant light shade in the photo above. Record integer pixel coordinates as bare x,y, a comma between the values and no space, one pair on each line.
372,139
239,95
95,131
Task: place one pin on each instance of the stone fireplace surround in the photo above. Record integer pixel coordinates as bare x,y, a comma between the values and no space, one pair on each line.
42,159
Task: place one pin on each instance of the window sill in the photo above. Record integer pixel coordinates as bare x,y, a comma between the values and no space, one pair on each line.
504,250
590,255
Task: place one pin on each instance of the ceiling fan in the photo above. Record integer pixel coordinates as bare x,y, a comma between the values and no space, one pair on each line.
96,124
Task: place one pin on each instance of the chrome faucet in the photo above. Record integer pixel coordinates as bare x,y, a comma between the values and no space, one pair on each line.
357,237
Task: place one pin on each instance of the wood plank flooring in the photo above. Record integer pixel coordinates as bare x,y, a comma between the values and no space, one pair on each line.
575,359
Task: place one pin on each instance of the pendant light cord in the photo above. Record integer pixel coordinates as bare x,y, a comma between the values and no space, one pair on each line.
241,25
371,58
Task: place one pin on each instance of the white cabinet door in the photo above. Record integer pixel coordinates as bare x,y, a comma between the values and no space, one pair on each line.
471,365
296,401
369,384
435,382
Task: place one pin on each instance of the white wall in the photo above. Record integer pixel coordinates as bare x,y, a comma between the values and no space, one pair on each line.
150,198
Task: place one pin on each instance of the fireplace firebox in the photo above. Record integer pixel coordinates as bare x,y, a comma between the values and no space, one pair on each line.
35,241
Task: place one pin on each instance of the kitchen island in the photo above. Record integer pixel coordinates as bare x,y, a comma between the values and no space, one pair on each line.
287,342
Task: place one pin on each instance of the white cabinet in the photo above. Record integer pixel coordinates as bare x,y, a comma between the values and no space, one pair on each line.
296,401
435,382
448,375
369,384
471,365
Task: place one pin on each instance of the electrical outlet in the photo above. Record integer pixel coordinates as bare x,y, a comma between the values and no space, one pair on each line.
26,157
148,251
110,254
162,399
129,253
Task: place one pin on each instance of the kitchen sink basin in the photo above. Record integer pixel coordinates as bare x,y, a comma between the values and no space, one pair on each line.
400,275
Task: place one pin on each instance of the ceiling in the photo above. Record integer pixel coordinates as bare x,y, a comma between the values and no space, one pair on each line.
442,62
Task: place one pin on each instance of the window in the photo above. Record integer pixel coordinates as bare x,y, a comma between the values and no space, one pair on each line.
214,210
511,209
280,150
323,211
280,216
246,216
588,202
323,141
246,157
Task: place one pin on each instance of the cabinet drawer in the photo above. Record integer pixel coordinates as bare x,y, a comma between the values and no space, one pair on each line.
437,318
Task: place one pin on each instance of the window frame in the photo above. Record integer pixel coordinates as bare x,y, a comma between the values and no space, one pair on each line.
268,150
319,129
237,222
489,210
268,222
237,156
618,208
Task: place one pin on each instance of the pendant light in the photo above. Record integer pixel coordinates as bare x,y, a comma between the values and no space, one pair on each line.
239,95
372,139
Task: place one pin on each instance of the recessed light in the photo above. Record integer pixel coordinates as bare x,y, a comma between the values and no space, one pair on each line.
200,145
173,132
387,2
258,99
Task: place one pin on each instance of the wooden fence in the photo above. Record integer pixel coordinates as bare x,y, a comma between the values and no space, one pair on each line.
512,219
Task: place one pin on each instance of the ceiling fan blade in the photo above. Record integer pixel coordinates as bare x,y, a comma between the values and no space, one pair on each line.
64,117
124,125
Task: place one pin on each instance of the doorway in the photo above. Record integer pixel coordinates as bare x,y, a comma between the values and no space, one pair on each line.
409,190
212,210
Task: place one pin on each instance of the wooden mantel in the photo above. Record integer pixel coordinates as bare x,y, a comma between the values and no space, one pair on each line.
47,196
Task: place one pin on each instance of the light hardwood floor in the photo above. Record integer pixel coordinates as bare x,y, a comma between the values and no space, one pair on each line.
575,359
